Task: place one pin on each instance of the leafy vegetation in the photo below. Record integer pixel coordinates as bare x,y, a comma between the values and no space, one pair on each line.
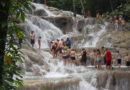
10,55
95,6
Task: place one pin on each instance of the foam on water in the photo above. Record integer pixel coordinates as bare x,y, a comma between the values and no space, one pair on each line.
42,28
55,68
44,7
95,37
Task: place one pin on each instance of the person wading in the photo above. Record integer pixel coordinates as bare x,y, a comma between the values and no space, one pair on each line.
108,59
32,38
39,42
83,57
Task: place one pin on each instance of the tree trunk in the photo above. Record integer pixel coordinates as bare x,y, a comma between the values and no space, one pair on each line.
4,4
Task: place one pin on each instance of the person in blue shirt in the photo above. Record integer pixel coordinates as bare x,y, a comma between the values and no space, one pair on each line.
68,43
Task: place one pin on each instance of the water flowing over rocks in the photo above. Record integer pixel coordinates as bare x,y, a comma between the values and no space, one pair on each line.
64,23
51,24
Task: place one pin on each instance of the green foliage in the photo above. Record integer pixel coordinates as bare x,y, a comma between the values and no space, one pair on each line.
123,9
11,75
95,6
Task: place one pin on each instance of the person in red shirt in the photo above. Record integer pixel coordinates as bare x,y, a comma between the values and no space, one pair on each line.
46,2
89,14
108,59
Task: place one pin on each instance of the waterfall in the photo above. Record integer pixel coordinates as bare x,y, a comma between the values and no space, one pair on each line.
95,37
40,64
42,28
44,8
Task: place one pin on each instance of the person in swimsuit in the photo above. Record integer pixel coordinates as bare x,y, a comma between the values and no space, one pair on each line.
32,38
119,58
127,59
65,55
83,57
39,42
98,58
53,49
72,55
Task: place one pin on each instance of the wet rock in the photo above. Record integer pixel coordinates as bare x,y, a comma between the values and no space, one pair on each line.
64,23
40,12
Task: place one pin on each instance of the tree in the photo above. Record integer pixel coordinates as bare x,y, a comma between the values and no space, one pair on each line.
10,12
95,6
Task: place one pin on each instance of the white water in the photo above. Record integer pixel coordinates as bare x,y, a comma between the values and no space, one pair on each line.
55,68
42,28
43,7
95,37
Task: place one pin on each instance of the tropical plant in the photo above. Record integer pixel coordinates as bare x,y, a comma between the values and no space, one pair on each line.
10,55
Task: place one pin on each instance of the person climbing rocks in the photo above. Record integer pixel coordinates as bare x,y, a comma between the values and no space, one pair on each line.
46,2
39,42
119,58
127,60
108,58
68,43
103,55
89,14
32,38
72,55
98,59
20,40
83,57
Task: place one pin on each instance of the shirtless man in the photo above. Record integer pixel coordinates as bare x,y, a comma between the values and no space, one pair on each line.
127,59
32,38
60,46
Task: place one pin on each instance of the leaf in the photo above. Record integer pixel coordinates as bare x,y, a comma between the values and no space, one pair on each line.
19,83
8,59
17,15
23,16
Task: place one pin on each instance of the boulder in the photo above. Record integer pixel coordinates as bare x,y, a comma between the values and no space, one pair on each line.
40,12
64,23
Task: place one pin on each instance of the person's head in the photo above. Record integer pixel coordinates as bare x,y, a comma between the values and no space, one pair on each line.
117,51
102,47
62,40
32,32
94,50
51,42
57,40
67,38
39,37
83,49
98,51
72,49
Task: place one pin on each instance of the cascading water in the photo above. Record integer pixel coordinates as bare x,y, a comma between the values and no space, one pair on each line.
42,28
95,37
41,65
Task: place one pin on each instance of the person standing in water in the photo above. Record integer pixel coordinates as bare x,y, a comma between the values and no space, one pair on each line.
32,38
98,59
68,43
108,59
39,42
83,57
119,58
127,59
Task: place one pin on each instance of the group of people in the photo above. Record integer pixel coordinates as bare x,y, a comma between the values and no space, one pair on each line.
98,57
62,48
118,21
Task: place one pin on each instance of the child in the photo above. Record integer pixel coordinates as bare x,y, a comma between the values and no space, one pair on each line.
39,42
